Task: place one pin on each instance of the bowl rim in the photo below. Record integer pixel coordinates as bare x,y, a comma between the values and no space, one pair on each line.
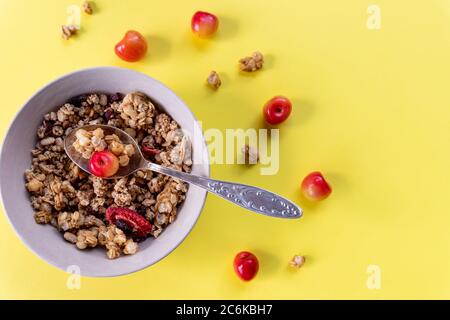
53,263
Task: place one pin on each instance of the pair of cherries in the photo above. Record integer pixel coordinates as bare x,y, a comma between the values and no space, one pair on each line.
133,46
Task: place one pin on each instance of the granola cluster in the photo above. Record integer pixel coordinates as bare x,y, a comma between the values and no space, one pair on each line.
213,80
252,63
87,142
75,203
67,31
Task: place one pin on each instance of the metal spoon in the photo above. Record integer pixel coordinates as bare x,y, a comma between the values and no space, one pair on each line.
248,197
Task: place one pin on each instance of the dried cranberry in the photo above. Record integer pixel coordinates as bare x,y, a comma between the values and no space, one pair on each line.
77,100
122,225
139,239
142,211
150,151
48,127
115,97
109,114
140,226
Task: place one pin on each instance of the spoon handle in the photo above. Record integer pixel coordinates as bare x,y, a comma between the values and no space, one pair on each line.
248,197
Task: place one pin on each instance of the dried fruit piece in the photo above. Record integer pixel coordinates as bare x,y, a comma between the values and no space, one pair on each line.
115,97
122,225
204,24
297,261
150,151
68,31
315,187
108,114
138,224
252,63
77,100
213,80
246,265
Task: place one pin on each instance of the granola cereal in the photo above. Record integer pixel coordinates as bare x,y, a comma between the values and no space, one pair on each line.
213,80
297,261
68,31
250,153
87,8
74,202
252,63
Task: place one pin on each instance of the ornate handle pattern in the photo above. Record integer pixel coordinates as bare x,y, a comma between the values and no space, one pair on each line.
248,197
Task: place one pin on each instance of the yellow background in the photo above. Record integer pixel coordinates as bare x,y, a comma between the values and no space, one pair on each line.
371,111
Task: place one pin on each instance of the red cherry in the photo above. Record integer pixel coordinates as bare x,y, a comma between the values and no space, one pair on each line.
204,24
246,265
103,164
132,47
314,187
277,109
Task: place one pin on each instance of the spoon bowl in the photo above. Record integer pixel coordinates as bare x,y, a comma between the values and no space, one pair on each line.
137,160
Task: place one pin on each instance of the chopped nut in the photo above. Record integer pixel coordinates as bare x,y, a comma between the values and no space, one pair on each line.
68,31
213,80
34,185
69,236
250,153
47,141
87,8
297,261
124,160
252,63
116,148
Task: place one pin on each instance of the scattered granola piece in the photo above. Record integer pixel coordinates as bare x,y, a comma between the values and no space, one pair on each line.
68,31
252,63
250,153
297,261
87,8
213,80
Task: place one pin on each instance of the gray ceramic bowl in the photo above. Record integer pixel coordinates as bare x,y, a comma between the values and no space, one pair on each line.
45,240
